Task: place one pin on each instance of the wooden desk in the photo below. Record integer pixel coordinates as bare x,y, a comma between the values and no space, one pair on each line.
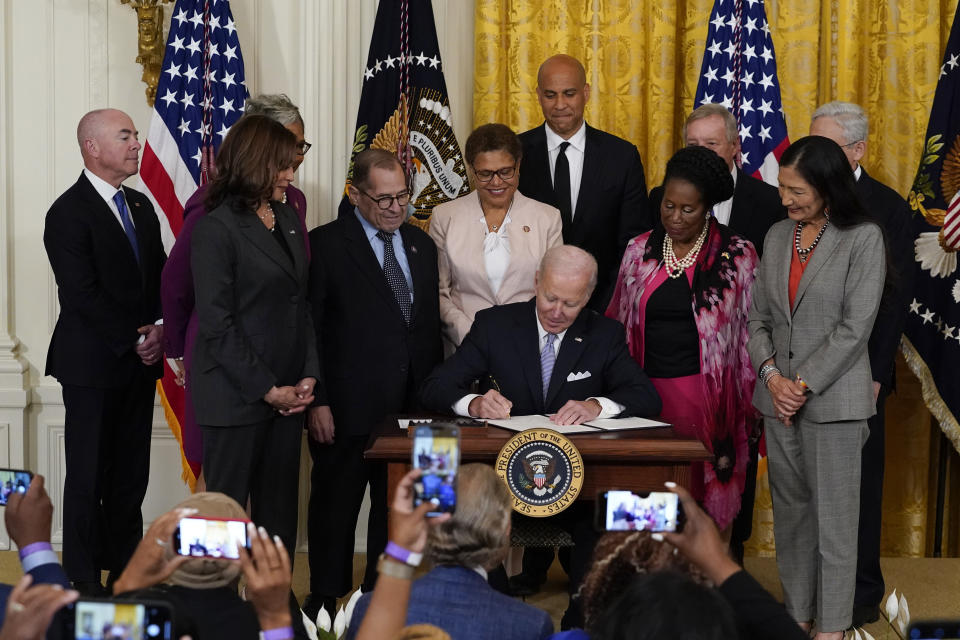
640,460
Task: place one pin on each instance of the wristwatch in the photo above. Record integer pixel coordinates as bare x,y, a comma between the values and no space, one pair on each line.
391,567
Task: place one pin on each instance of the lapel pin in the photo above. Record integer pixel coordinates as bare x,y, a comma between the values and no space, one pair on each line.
578,339
526,229
413,248
293,232
136,204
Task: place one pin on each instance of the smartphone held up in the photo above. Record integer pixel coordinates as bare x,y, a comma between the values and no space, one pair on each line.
91,619
210,538
13,481
655,511
436,451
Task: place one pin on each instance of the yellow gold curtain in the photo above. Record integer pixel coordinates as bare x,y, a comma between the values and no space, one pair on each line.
643,59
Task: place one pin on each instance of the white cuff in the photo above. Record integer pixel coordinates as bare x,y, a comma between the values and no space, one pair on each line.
38,558
462,406
608,408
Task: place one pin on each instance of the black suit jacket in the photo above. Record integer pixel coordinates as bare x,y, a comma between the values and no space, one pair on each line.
885,207
104,295
254,329
756,208
611,205
504,343
372,361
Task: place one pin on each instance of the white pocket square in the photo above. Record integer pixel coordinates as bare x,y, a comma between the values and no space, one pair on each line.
579,375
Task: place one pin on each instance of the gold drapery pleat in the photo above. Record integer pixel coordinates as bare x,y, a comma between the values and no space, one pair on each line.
643,60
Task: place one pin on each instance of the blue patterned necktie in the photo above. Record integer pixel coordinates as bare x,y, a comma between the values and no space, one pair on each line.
394,275
127,223
547,359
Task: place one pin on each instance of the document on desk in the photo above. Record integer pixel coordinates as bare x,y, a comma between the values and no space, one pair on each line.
624,424
522,423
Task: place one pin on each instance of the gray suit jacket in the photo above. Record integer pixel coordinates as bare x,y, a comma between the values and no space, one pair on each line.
254,324
824,337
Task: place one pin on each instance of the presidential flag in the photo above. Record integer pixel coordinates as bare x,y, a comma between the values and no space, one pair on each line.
404,107
200,94
931,341
739,71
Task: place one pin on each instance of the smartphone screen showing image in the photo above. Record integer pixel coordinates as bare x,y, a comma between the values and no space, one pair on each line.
13,481
628,511
210,538
436,451
110,620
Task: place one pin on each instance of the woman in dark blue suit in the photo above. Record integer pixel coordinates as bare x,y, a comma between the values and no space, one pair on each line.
255,358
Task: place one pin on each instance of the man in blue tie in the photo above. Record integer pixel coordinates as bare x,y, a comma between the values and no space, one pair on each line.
103,242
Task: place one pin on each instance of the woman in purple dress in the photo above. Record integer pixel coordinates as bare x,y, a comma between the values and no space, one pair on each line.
176,285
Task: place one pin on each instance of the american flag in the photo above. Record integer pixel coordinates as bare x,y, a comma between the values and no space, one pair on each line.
200,95
739,71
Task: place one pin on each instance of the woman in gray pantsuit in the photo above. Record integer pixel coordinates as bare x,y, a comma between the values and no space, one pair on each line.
814,301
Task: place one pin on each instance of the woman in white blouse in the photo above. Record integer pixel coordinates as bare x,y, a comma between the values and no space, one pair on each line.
490,241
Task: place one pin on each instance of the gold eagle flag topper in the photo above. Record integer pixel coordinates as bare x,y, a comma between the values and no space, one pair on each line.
149,41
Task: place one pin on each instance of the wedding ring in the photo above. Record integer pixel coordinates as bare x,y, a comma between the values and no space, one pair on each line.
16,606
161,543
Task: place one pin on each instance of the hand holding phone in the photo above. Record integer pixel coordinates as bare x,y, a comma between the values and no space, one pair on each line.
150,563
28,515
436,452
13,481
37,606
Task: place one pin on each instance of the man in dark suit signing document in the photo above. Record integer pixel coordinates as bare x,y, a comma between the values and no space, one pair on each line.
550,355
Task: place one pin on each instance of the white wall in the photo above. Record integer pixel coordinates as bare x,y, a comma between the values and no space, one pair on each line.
61,58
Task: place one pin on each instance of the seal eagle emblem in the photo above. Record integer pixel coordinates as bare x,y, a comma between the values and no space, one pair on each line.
543,471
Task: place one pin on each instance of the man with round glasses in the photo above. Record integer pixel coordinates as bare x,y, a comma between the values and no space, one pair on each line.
374,296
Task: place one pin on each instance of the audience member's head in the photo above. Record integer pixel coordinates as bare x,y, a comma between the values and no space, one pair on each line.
666,605
255,151
618,559
208,573
478,534
564,283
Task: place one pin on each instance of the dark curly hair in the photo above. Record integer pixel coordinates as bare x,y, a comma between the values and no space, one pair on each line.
705,170
618,558
492,137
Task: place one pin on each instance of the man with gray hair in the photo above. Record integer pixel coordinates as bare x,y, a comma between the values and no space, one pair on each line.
755,205
548,355
846,124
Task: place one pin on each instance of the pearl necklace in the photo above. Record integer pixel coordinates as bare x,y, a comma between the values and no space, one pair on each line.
273,218
674,266
804,254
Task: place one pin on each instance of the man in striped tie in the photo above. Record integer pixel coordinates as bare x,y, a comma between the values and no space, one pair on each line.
550,355
103,242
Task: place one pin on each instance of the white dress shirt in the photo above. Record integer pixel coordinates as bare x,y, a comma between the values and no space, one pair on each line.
496,253
723,210
608,408
575,151
107,191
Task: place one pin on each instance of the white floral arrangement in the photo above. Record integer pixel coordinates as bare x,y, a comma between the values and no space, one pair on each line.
323,628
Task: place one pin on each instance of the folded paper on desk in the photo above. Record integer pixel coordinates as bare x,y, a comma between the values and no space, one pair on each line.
522,423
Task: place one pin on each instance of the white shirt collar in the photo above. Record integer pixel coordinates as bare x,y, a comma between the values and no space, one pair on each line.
543,332
104,188
857,172
578,140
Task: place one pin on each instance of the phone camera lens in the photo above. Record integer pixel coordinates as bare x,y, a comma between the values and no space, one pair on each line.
153,630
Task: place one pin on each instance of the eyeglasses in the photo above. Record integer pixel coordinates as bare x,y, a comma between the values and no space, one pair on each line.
505,174
384,202
850,144
303,147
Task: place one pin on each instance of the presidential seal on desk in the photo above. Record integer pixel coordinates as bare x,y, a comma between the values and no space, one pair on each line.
543,470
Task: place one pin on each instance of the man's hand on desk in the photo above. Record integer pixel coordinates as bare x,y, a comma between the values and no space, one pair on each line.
320,424
577,412
490,406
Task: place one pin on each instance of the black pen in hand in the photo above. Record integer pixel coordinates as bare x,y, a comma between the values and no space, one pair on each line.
496,387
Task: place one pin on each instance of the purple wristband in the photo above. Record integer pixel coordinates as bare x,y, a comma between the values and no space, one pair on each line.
280,633
34,547
397,552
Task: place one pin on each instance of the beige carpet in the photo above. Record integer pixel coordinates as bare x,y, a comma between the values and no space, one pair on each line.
931,585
